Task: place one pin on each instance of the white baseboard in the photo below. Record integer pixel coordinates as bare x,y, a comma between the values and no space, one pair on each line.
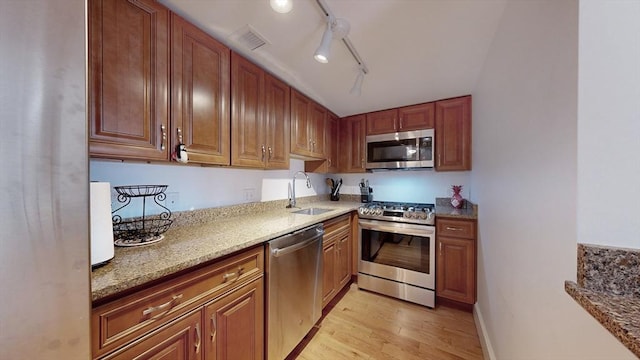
485,341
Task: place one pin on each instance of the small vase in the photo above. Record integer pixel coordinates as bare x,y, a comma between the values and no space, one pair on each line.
457,201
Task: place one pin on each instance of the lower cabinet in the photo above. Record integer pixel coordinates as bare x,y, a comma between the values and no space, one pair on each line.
456,260
336,257
234,324
215,312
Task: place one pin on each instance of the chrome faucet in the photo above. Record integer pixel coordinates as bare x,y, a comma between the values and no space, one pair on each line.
292,200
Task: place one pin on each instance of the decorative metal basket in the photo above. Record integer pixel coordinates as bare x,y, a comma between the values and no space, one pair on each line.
146,229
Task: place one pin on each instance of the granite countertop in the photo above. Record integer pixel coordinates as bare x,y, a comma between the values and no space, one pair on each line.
444,209
194,240
608,288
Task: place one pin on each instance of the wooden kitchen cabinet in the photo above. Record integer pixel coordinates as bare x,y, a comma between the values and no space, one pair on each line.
456,260
181,339
336,246
231,288
199,94
382,122
333,148
234,325
453,134
259,117
352,144
307,127
128,79
416,117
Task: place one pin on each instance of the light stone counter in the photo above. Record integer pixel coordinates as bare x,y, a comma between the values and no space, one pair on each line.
193,241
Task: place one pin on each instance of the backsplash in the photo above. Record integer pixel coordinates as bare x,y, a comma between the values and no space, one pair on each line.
608,269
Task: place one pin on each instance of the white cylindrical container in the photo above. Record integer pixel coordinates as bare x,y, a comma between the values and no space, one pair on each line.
102,249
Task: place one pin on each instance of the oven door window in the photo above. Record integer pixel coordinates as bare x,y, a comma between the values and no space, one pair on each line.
409,252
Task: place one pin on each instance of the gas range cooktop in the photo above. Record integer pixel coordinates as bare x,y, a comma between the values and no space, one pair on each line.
398,212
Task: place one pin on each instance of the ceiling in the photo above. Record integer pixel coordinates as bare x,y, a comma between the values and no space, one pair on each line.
415,50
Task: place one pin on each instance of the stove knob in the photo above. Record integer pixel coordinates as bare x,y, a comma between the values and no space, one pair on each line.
422,215
362,211
407,215
376,212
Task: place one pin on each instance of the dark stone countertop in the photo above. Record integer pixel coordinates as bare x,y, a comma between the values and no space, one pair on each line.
608,288
444,209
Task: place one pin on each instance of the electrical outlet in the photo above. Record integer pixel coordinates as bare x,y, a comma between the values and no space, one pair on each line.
249,194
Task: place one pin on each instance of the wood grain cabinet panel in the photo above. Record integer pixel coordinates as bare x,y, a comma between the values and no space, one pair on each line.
453,134
259,117
200,94
234,325
333,144
179,340
336,257
308,120
456,260
382,122
352,144
128,79
416,117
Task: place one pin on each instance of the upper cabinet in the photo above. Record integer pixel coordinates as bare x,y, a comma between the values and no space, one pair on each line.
307,126
382,122
259,117
333,143
453,134
352,144
128,79
414,117
199,94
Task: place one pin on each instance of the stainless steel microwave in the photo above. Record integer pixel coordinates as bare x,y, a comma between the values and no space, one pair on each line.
400,150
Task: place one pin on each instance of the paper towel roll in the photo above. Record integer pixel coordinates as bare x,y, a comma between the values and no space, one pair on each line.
101,226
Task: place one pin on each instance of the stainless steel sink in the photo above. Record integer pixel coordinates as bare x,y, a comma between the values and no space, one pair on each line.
312,211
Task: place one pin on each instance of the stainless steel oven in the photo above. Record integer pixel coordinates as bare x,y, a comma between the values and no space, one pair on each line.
397,251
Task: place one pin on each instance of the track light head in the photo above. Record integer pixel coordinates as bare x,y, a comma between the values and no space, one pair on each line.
323,51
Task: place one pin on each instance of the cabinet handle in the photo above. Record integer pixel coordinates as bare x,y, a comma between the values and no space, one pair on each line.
180,136
270,152
453,228
164,137
198,338
263,152
440,248
214,328
400,122
439,160
238,273
329,162
168,305
314,146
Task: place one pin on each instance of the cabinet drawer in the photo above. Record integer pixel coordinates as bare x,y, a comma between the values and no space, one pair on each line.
334,225
465,229
122,320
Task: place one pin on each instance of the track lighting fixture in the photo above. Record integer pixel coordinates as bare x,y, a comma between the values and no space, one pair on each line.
357,86
281,6
336,29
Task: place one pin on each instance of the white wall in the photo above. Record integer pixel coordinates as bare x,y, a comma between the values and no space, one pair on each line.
609,123
418,186
204,187
524,179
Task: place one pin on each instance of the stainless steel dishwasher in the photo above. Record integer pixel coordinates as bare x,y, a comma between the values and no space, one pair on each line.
294,286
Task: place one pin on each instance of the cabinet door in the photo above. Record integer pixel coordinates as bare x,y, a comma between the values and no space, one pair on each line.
453,134
300,140
318,119
352,144
333,144
328,271
178,340
248,136
277,110
200,94
234,324
416,117
456,269
382,122
128,79
343,259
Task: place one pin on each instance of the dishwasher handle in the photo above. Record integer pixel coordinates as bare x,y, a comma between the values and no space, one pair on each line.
277,252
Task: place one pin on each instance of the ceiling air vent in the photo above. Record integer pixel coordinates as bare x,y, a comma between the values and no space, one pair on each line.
248,37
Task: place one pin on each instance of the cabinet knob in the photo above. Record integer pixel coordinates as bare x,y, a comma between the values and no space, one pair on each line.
270,152
263,152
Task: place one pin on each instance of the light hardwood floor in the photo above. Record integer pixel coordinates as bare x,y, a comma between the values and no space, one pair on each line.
365,325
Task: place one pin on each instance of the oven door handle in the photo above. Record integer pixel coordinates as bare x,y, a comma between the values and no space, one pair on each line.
400,228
